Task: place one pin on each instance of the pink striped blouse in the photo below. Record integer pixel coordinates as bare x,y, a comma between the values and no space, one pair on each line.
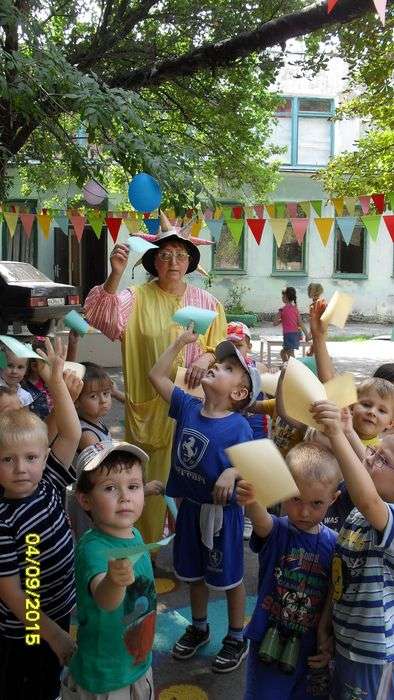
109,313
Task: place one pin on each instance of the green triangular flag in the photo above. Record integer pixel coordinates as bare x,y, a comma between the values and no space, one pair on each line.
372,223
280,210
235,226
96,219
317,204
390,197
227,213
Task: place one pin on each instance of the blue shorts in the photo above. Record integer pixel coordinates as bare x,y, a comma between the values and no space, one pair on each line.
268,682
353,679
291,341
221,567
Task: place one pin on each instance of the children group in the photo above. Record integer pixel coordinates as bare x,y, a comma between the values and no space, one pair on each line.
323,622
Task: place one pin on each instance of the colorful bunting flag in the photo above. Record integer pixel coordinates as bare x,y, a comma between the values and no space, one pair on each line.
44,222
381,9
391,200
317,205
279,227
215,228
27,221
96,219
78,223
257,227
237,212
61,220
324,226
378,200
292,209
218,213
113,224
346,226
330,5
389,221
364,202
152,225
11,219
132,224
259,209
338,205
306,207
196,228
350,204
250,212
208,213
270,210
236,227
299,227
280,210
372,223
227,213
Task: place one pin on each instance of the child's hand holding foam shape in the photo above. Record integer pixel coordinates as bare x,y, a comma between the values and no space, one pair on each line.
120,572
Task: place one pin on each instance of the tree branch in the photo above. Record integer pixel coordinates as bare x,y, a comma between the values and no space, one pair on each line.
223,53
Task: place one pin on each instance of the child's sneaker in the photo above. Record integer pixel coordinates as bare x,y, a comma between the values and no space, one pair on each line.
230,656
188,644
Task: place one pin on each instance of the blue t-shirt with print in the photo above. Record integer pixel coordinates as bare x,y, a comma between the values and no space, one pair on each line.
198,452
295,576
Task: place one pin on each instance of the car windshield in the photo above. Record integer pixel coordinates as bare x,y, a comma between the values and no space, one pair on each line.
22,272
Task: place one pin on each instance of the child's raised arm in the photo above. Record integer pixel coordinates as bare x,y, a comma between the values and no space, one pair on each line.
325,367
65,415
261,520
160,372
361,488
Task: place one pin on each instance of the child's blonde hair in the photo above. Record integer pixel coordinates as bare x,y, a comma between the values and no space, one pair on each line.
314,462
21,425
383,388
315,288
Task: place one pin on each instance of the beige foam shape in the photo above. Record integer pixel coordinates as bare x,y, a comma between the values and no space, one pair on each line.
301,388
269,382
338,309
261,463
75,367
180,381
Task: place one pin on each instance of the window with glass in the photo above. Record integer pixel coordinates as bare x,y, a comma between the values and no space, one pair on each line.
227,255
290,256
304,128
351,259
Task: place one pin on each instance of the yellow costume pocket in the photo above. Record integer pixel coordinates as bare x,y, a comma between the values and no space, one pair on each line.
149,424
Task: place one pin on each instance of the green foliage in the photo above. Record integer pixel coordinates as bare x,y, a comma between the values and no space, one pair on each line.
234,301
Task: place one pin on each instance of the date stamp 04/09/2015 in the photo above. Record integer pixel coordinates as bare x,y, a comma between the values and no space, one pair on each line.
32,589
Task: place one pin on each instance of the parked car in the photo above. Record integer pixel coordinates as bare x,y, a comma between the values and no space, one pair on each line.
28,296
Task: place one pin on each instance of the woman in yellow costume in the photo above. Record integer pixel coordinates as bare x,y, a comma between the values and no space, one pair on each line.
141,317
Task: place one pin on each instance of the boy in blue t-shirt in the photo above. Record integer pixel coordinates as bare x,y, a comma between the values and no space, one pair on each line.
208,547
295,553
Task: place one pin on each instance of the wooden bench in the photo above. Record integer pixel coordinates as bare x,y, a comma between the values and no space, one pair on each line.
277,341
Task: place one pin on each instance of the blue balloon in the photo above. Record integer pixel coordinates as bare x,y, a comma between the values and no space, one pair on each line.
144,192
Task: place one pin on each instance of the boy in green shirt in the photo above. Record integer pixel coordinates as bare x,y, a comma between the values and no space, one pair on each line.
116,600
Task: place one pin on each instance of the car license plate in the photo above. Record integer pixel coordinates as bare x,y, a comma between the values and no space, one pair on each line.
56,301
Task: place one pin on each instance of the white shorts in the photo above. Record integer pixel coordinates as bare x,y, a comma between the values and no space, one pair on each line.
140,690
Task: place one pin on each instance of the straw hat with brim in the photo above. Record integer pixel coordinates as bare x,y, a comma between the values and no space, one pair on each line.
148,258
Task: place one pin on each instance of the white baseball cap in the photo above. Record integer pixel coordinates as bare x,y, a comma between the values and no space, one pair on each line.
227,349
92,456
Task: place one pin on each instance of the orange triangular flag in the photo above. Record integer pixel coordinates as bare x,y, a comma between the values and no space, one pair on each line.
12,220
257,227
78,223
324,226
270,210
113,224
44,222
338,205
27,221
279,227
196,228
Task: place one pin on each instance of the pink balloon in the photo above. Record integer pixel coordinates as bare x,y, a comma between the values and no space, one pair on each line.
93,192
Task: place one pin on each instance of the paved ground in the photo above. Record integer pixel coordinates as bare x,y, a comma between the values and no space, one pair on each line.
193,679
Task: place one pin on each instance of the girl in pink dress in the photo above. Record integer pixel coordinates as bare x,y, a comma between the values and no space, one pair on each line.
291,321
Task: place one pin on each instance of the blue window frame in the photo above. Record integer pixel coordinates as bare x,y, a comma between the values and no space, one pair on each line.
304,126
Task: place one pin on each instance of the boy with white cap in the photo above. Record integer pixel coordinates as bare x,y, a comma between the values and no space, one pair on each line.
116,600
208,547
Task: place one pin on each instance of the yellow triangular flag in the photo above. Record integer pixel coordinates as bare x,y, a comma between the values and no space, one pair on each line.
338,205
133,225
279,227
170,214
44,222
218,213
324,226
270,210
12,220
306,207
196,227
350,204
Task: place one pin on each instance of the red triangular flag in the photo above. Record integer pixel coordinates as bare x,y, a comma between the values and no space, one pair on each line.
113,225
389,221
27,222
257,227
378,200
238,212
78,223
299,227
259,209
364,202
330,5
